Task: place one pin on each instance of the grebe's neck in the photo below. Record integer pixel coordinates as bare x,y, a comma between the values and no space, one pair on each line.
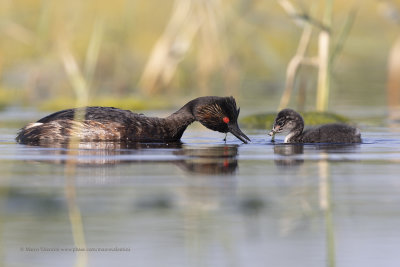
178,121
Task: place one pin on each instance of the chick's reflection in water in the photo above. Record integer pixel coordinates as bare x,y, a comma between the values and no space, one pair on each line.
287,154
219,159
291,154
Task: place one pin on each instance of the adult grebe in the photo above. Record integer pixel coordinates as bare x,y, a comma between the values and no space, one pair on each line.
112,124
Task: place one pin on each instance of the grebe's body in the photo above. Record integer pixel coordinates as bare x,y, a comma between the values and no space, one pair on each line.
112,124
290,121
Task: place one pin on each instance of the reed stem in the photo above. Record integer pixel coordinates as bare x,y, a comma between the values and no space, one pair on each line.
324,74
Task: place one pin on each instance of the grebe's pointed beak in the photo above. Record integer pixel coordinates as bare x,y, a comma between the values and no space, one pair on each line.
235,130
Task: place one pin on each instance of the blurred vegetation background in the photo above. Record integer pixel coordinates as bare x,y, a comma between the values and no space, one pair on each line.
155,54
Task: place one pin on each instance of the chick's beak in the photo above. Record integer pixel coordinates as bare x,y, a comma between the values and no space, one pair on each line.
234,129
274,130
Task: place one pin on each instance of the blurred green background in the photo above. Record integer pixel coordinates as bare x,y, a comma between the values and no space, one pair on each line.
157,54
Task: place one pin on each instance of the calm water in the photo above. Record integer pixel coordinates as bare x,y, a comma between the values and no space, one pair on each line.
202,203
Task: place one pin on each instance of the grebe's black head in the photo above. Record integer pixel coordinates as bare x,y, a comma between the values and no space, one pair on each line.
218,114
286,121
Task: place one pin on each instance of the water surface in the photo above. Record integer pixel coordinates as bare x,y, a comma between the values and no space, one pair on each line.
203,202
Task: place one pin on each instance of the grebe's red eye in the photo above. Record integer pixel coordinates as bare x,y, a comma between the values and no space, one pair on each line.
226,119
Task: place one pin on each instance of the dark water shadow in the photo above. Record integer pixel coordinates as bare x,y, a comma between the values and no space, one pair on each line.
31,202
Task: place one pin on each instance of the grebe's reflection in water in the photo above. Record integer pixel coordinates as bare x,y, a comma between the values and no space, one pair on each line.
209,159
213,159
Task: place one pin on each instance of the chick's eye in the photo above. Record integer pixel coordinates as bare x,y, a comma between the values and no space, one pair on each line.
281,123
226,120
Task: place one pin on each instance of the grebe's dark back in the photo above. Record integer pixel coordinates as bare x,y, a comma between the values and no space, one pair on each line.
112,124
290,121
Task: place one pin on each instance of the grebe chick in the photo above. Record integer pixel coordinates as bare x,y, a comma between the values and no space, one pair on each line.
290,121
112,124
